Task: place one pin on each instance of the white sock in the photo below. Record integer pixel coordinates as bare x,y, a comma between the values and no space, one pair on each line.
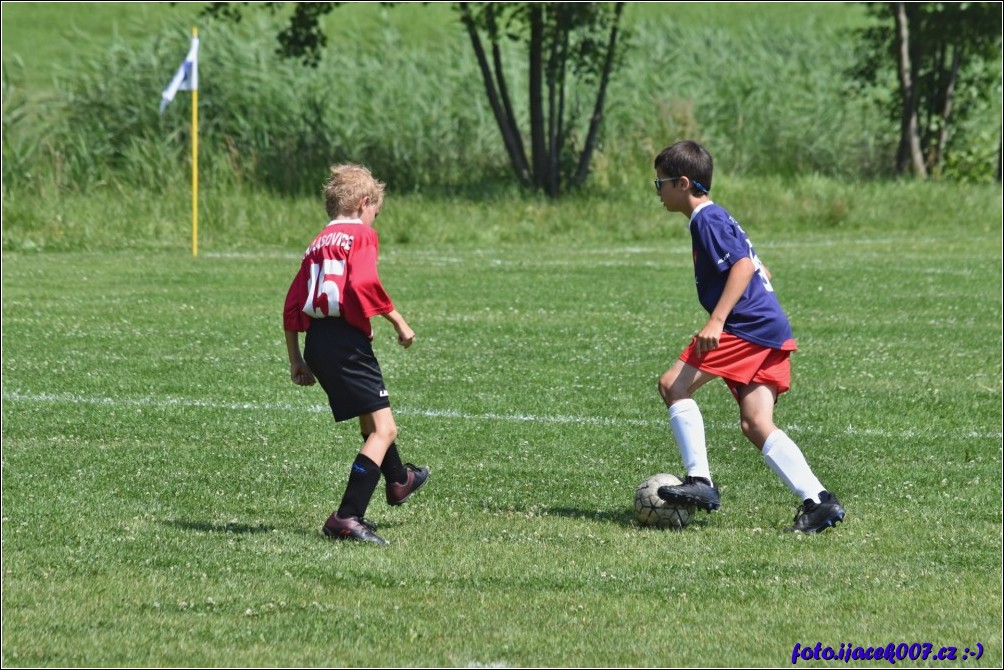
786,460
688,428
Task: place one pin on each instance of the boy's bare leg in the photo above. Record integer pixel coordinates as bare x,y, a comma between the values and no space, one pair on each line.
756,408
681,381
756,412
380,431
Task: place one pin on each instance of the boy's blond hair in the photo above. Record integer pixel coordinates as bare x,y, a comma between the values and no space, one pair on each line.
346,187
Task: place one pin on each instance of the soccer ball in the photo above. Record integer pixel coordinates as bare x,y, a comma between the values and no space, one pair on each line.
651,510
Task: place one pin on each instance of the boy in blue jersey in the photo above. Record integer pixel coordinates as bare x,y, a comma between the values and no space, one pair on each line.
746,342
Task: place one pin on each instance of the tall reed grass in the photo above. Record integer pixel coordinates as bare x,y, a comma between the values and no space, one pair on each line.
770,102
767,99
266,121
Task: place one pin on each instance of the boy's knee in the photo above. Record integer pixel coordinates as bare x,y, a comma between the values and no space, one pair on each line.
755,431
383,425
388,432
664,389
669,391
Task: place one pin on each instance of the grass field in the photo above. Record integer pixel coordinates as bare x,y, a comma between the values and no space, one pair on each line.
164,483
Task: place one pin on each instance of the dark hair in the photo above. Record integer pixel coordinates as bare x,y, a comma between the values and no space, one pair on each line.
687,158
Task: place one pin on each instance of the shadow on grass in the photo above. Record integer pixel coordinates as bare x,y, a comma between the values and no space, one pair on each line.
230,528
258,529
623,518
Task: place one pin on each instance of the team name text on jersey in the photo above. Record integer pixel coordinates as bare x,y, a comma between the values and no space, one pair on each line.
338,239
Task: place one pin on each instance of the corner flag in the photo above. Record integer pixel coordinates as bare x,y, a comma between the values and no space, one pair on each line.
186,78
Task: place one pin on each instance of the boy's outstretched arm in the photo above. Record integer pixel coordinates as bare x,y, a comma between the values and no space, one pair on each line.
298,370
740,275
405,335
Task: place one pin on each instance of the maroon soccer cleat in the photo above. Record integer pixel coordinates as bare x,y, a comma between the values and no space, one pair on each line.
352,528
398,493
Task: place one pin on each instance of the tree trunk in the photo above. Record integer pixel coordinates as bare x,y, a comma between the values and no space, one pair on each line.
910,152
556,175
507,124
594,124
556,61
938,157
538,145
503,87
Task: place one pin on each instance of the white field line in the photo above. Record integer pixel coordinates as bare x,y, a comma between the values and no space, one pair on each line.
149,401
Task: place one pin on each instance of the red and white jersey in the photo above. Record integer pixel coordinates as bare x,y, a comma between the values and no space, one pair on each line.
338,278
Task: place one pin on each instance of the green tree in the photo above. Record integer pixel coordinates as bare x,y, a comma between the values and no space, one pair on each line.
942,54
565,42
570,47
302,38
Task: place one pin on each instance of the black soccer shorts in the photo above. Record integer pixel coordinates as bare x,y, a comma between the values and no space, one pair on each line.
341,358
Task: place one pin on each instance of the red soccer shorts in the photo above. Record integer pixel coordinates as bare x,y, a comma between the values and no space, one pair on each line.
740,362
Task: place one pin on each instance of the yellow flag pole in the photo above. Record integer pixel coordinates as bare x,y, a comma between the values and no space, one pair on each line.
195,163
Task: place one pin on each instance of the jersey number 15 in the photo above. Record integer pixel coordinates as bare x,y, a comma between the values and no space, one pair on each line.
321,284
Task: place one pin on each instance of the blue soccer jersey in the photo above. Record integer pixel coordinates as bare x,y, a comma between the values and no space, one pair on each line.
719,243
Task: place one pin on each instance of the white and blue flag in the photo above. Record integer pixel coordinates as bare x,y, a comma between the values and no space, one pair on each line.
185,79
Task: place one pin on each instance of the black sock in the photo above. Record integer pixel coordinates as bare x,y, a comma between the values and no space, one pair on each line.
363,479
392,468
